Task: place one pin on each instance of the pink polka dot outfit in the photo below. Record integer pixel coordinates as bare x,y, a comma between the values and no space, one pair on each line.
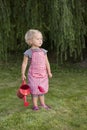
37,73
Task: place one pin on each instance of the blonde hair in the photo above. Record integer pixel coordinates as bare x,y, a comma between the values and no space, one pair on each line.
30,34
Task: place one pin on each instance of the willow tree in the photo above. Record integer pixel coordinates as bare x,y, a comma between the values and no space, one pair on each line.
68,28
5,28
62,22
16,17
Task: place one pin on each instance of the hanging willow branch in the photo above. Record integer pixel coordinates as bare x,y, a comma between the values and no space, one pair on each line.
62,22
68,28
4,28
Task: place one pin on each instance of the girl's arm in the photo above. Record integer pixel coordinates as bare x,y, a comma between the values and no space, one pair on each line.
24,65
48,67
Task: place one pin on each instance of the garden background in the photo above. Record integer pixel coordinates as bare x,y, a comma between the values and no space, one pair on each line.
64,27
62,22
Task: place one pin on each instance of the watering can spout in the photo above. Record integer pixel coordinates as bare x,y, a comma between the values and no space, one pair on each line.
25,102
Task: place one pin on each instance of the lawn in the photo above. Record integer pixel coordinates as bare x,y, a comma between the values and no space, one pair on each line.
67,96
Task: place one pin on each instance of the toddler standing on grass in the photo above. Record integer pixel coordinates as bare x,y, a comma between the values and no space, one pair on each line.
39,68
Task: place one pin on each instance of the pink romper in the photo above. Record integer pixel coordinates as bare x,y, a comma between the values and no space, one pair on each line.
37,74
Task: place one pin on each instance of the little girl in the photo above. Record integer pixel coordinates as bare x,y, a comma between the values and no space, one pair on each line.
39,69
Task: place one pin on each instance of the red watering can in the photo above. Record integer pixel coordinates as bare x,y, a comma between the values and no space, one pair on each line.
23,91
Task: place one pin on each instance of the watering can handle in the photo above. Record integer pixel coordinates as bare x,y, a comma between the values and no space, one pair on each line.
23,82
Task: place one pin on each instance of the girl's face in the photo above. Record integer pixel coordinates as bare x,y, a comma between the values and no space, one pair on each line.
37,40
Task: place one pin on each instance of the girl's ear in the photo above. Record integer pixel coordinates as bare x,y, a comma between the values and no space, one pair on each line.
30,42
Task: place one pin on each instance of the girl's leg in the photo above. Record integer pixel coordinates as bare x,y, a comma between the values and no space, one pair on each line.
35,100
42,99
42,102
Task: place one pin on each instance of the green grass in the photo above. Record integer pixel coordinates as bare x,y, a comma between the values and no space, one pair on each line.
67,96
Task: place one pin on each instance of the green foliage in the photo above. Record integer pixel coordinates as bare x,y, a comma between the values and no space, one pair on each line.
68,28
5,27
62,22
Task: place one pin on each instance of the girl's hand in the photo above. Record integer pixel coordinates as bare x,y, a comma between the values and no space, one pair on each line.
50,75
23,77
